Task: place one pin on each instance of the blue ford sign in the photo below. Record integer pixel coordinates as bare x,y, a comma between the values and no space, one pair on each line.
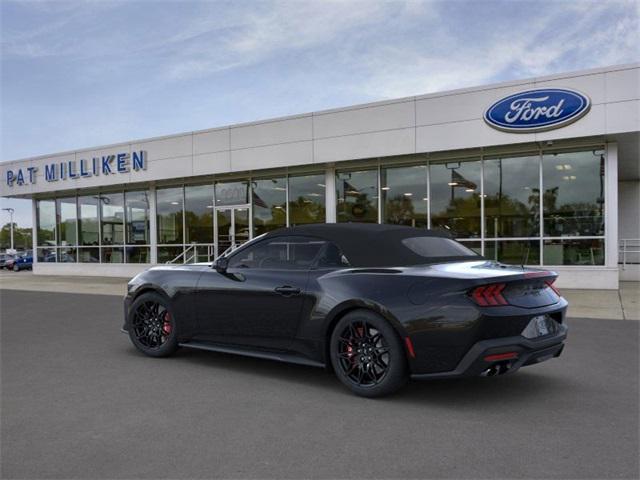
537,110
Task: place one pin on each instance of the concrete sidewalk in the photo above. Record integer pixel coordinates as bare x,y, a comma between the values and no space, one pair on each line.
623,304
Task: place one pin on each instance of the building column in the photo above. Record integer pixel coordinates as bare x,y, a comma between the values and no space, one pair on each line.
330,193
611,205
153,230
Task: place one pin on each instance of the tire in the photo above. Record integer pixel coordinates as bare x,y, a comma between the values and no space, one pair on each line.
152,325
16,268
367,354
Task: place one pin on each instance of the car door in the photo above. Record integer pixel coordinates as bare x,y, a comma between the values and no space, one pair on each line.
258,300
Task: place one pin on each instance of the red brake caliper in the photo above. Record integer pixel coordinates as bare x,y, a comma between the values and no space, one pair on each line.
166,326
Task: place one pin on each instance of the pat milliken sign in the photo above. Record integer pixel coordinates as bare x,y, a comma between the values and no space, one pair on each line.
104,165
537,110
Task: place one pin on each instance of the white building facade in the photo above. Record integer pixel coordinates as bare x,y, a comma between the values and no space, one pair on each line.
542,172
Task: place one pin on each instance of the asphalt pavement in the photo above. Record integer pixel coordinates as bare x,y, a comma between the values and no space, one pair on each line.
78,401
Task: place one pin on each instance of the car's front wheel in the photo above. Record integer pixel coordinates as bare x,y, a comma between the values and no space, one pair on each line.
367,354
152,326
16,268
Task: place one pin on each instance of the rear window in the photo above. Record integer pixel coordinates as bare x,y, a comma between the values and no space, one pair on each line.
437,247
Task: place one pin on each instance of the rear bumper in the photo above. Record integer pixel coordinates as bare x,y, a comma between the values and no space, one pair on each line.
528,351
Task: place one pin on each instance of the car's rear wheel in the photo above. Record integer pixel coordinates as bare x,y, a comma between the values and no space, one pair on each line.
367,354
16,268
152,326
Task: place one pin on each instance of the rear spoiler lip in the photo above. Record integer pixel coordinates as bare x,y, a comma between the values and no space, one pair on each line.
516,277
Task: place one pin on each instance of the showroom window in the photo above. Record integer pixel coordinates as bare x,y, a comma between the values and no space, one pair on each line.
405,195
307,199
67,214
137,234
269,201
112,227
198,217
232,193
88,229
456,197
46,230
170,220
357,196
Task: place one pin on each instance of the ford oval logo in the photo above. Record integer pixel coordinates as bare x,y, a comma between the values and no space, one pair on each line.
537,110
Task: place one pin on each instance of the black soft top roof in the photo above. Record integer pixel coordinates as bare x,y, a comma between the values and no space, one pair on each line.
369,244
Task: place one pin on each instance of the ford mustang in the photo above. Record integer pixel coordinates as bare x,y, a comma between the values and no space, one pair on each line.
376,304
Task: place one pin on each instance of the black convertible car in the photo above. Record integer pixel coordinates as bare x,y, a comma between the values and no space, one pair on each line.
374,303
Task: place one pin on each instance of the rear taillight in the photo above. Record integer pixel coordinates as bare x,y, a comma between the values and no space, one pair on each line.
489,295
552,286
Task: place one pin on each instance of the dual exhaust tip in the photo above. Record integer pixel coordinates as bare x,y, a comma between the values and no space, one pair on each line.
496,369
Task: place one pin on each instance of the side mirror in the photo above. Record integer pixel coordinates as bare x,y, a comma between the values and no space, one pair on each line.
221,264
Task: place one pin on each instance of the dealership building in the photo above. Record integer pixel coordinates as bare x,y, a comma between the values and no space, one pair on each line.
542,172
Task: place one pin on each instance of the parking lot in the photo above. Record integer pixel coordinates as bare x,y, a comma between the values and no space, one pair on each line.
79,402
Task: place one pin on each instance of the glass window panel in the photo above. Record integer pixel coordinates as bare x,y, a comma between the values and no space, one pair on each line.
289,253
574,252
514,252
112,255
357,196
137,217
137,254
89,255
232,193
47,254
573,198
88,220
112,218
307,199
169,207
404,195
67,221
455,198
167,254
46,217
66,255
512,197
269,198
198,213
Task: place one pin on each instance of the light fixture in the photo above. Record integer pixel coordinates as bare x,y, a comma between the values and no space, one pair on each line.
282,189
385,188
469,190
452,184
572,177
559,167
313,195
209,206
408,194
321,185
425,199
567,166
566,177
175,203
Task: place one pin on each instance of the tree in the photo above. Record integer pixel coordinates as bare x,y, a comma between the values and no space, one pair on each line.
22,237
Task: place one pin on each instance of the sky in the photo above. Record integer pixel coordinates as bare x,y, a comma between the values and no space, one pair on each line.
87,73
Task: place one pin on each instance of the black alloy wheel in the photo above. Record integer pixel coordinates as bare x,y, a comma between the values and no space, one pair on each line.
368,355
152,326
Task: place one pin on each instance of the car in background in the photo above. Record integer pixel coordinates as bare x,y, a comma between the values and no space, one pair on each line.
4,258
23,261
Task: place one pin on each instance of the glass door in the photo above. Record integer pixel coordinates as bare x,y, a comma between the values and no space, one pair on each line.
232,227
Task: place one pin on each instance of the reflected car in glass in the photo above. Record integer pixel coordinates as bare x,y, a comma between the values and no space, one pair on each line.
376,304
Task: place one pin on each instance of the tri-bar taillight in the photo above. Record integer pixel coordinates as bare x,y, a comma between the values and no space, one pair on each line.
489,295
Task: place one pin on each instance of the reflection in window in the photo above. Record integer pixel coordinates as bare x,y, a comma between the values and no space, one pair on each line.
198,213
574,252
66,255
112,255
404,195
89,255
67,220
112,218
306,199
167,254
232,193
88,221
137,254
137,217
46,254
573,193
512,197
514,252
169,208
269,198
455,198
46,217
357,196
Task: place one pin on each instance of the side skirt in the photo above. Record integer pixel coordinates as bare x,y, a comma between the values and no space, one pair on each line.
285,357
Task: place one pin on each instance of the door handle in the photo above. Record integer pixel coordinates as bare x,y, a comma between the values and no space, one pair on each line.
287,290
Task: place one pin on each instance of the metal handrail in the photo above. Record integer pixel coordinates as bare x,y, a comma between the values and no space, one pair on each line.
184,254
628,245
